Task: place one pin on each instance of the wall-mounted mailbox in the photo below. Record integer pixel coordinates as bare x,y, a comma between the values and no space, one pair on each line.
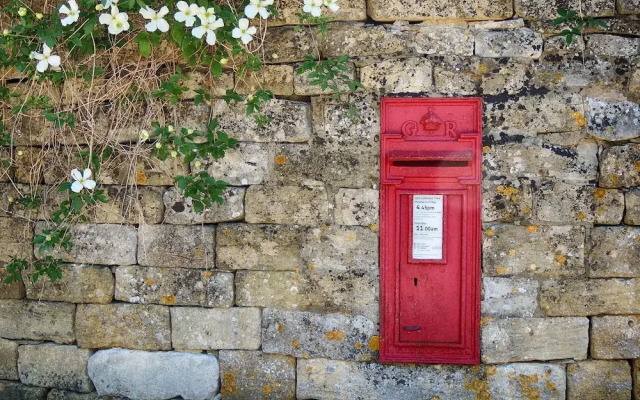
430,204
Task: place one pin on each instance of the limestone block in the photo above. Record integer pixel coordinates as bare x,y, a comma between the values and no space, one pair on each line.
15,390
248,164
526,380
192,116
613,46
526,339
29,165
285,45
179,210
13,291
613,252
15,239
340,249
514,23
79,284
37,320
216,328
357,207
405,10
154,375
628,6
635,372
596,379
127,206
305,334
506,199
176,246
632,207
533,250
458,76
297,164
205,80
350,10
509,297
255,375
567,203
615,336
258,247
438,39
132,326
358,40
354,165
410,75
583,297
277,289
106,244
559,69
49,365
620,166
276,78
634,82
547,10
8,360
174,286
56,394
522,42
302,83
286,205
613,120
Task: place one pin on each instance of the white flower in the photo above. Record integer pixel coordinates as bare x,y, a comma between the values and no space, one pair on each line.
72,13
206,14
46,59
244,32
187,13
313,7
258,7
117,21
106,4
144,135
81,180
208,26
332,4
22,11
157,21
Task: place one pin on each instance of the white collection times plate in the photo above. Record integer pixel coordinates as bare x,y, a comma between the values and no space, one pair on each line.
427,227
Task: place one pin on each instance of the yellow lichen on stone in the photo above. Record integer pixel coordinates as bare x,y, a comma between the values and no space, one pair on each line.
149,282
281,159
532,228
579,118
280,327
140,178
491,370
482,68
486,149
489,232
295,343
169,299
485,321
228,386
581,216
335,335
358,345
600,193
561,259
374,343
502,270
512,252
266,389
373,227
207,274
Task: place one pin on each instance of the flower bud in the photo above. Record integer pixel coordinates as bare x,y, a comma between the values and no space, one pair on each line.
22,11
174,153
39,15
99,7
189,131
20,152
224,61
197,164
48,238
170,128
158,145
10,199
144,135
5,32
250,97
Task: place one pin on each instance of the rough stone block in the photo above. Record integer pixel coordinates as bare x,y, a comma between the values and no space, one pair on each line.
277,289
405,10
509,297
340,249
16,236
132,326
526,381
56,394
533,250
632,207
176,246
565,203
286,205
218,328
410,75
615,336
174,286
255,375
285,45
628,6
613,46
506,199
547,10
142,205
13,291
437,39
613,252
15,390
357,207
620,166
37,320
154,375
79,284
104,244
248,164
179,210
594,380
614,121
276,78
28,164
590,297
296,164
8,360
564,68
305,334
205,80
359,40
635,372
303,86
522,42
350,10
526,339
48,365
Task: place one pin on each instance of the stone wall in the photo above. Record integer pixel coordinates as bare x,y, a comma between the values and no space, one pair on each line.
275,293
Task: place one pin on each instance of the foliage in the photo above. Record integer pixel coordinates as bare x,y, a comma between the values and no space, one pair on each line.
575,23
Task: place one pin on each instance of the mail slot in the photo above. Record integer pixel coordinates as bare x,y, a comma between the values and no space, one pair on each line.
430,202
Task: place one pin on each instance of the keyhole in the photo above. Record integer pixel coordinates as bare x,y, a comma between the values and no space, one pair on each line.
415,281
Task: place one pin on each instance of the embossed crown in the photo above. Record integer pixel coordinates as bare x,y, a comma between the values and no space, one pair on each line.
430,121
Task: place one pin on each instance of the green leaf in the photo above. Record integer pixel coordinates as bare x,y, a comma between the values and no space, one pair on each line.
64,187
145,48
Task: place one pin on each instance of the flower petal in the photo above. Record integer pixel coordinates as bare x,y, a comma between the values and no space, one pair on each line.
151,26
86,174
243,23
198,32
250,11
74,5
252,30
236,33
246,38
42,66
64,9
162,25
264,13
54,61
182,6
76,187
76,174
218,23
105,19
147,12
89,184
163,11
211,37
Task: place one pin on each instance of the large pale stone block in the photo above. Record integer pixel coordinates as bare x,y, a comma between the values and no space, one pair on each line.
216,87
522,42
357,207
632,207
620,166
359,40
179,210
154,375
285,45
628,6
615,336
176,246
410,75
15,239
635,371
276,78
217,328
406,10
340,249
510,297
350,10
527,339
255,375
595,380
590,297
506,200
438,39
613,46
79,284
526,380
286,205
547,10
247,164
56,394
8,360
48,365
277,289
570,204
132,326
13,291
613,252
37,320
614,121
15,390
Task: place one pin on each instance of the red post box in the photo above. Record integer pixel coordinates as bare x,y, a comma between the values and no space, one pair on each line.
430,227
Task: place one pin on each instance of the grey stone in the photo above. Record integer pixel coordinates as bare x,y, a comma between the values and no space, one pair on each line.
526,381
56,394
217,328
37,320
559,70
12,291
522,42
15,239
179,210
79,284
339,249
595,379
437,39
205,80
277,289
48,365
410,75
174,286
547,10
635,365
632,207
286,205
613,252
276,78
615,337
405,10
498,25
18,391
255,375
248,164
357,207
506,199
8,360
176,246
628,6
132,326
129,206
154,375
620,166
527,339
583,297
613,121
613,46
510,297
533,250
285,45
359,40
350,10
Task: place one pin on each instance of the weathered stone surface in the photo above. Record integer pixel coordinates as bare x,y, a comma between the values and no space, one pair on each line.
533,250
286,205
358,40
290,123
613,252
437,39
276,78
514,23
613,46
409,75
620,166
635,372
254,375
565,203
248,164
28,164
154,375
609,120
350,10
356,207
547,10
37,320
277,289
506,200
615,337
174,286
56,394
15,239
585,297
526,339
559,69
179,210
15,390
509,297
13,291
523,42
305,334
129,206
258,247
8,360
628,6
205,80
104,244
406,10
285,45
48,365
79,284
632,207
302,83
176,246
526,381
340,249
132,326
217,328
594,380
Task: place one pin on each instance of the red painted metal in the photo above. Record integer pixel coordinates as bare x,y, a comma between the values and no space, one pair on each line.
430,305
